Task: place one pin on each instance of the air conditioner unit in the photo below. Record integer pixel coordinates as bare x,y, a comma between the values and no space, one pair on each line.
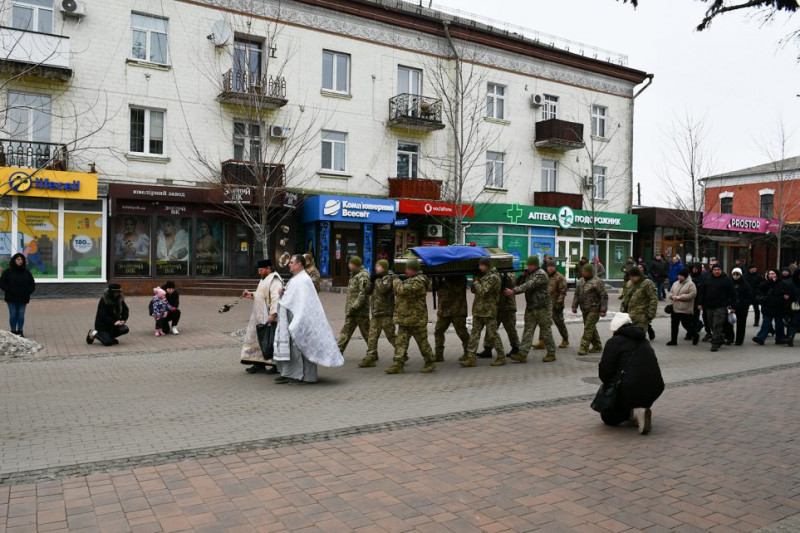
72,8
536,100
277,132
434,230
588,183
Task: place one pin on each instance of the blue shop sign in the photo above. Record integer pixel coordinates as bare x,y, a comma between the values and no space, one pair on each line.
349,209
401,223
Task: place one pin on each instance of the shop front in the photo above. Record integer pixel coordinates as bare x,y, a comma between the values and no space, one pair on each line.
561,232
425,223
339,227
56,220
741,238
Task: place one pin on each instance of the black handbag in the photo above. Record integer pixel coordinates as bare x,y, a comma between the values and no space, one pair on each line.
266,339
606,398
669,309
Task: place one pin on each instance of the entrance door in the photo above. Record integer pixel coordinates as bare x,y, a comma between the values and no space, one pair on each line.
241,252
571,249
346,244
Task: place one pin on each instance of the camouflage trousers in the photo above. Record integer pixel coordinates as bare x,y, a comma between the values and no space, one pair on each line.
591,337
508,319
493,340
350,324
404,334
442,323
377,325
543,318
558,320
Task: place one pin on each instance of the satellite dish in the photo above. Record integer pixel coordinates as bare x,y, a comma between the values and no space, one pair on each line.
221,33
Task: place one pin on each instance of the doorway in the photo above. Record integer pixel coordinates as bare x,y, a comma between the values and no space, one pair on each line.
241,251
570,248
346,244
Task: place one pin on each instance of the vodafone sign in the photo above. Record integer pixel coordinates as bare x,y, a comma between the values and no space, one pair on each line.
434,209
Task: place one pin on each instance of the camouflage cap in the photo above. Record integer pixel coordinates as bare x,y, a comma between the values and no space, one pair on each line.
413,264
533,260
634,271
355,261
588,267
384,264
485,261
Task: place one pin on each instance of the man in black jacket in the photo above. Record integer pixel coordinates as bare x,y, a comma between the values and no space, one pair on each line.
658,271
112,313
716,296
754,279
174,314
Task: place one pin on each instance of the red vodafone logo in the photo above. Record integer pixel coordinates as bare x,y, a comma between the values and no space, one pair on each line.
428,208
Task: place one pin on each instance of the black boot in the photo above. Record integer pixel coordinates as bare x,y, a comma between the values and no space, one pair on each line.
651,332
486,353
514,351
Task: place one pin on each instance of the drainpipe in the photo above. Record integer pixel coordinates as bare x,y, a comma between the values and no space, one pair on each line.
648,83
457,138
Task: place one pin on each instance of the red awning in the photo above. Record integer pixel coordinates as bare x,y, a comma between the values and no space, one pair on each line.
434,209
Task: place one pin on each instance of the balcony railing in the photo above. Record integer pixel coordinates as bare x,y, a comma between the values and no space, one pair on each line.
34,54
251,174
419,189
415,112
559,135
246,88
558,199
31,154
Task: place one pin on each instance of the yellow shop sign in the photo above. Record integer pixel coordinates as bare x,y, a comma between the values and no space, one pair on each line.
48,183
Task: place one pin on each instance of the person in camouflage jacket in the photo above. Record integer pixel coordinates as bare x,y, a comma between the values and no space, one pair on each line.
381,295
506,317
486,286
411,317
640,300
357,307
451,292
538,310
558,294
592,299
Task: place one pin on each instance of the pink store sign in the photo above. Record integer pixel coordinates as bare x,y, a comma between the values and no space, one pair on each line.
739,223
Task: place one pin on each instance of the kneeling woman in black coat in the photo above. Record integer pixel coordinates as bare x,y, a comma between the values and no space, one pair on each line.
112,313
629,353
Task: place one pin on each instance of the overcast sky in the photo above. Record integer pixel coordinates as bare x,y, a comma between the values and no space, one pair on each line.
735,73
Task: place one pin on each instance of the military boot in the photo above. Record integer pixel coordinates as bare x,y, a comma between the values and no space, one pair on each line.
440,356
538,346
564,343
485,354
429,367
396,368
549,358
583,351
469,362
500,361
514,351
367,362
462,358
519,358
596,349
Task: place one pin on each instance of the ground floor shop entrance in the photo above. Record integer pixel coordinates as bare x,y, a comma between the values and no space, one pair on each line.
569,248
347,242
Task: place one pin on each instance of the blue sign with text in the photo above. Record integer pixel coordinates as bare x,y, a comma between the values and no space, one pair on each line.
349,209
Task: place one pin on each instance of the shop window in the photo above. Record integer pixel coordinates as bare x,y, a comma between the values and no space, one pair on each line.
83,245
247,141
209,246
767,201
147,131
334,151
172,246
132,246
494,170
549,175
149,38
726,205
32,15
407,160
5,230
92,206
38,238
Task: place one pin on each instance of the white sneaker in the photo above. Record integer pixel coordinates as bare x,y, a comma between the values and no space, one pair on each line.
644,420
174,330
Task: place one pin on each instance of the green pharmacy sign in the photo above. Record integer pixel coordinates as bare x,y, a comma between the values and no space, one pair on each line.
559,217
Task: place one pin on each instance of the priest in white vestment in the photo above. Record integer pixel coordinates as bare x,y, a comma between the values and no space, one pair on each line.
265,311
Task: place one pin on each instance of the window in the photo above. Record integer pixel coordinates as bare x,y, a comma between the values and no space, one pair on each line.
147,131
550,107
496,101
32,15
599,121
149,38
246,65
409,80
726,205
335,72
247,141
407,160
767,201
549,175
334,151
599,182
494,170
29,117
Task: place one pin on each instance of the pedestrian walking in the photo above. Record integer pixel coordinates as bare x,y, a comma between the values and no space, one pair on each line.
538,309
313,272
170,322
683,294
486,286
17,283
599,269
558,294
381,294
303,339
110,318
357,308
640,300
160,309
774,295
674,268
626,268
258,341
716,296
452,310
629,361
740,306
591,298
754,280
659,270
411,317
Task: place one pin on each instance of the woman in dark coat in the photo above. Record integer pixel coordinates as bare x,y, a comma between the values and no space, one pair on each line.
794,316
112,313
641,384
775,294
18,284
740,305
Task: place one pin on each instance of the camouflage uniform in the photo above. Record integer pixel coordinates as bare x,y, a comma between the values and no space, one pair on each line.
315,276
506,316
558,293
357,308
592,299
381,292
640,302
487,289
452,303
538,312
411,316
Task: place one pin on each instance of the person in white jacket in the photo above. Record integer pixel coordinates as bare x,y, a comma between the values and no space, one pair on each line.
682,295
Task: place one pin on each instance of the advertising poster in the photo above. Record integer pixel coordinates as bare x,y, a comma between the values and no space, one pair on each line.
132,246
517,246
172,246
83,246
368,243
283,239
324,248
5,236
208,247
39,231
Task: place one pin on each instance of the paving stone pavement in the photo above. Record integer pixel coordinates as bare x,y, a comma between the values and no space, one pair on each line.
722,458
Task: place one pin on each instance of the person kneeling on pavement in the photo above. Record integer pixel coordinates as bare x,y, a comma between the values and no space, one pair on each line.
629,359
112,313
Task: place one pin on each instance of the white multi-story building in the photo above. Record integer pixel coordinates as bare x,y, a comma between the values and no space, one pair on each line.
134,132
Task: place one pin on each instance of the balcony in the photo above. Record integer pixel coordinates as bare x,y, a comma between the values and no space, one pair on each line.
251,174
36,55
415,112
418,189
29,154
559,135
245,88
558,199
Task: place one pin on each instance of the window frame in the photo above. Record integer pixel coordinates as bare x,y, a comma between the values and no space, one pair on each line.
599,118
495,168
30,111
411,72
247,140
552,175
148,39
761,213
334,71
413,164
147,136
599,175
35,17
550,107
493,97
726,205
334,143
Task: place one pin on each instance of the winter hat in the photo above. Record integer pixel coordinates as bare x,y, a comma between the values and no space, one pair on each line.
355,261
634,271
716,265
168,285
485,261
413,264
115,287
588,267
158,291
685,272
785,269
736,270
383,263
533,260
264,263
551,264
619,320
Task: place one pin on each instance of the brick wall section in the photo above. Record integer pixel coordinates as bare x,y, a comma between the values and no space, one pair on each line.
747,200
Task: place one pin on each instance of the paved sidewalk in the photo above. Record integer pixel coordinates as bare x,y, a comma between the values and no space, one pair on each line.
722,458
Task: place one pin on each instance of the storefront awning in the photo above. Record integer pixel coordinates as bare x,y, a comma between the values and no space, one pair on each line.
434,209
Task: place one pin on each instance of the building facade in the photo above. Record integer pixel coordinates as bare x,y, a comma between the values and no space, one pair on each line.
222,131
